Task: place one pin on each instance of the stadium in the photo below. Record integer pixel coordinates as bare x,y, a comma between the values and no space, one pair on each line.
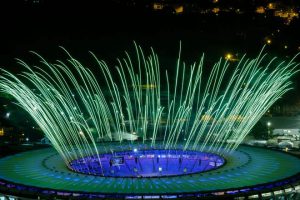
249,172
135,133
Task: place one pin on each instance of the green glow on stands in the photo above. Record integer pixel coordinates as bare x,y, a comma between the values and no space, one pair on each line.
202,111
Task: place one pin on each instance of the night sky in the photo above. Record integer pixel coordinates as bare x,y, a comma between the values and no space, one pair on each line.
109,28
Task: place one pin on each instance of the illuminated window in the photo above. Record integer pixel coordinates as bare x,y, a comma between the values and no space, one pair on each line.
158,6
260,10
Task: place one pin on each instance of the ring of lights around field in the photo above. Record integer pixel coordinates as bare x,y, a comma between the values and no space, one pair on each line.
45,170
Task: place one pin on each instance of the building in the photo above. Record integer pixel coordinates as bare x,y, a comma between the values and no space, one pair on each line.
283,125
285,131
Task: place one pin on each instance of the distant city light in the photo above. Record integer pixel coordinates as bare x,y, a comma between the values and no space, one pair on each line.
158,6
268,123
179,9
271,6
228,56
260,10
27,139
269,41
160,169
135,150
2,132
216,10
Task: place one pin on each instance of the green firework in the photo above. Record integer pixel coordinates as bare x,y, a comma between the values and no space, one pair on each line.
136,101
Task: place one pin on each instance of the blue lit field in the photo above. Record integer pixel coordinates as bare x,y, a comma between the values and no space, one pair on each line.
147,163
245,170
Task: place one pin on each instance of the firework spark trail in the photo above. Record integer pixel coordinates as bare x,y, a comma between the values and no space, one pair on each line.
68,102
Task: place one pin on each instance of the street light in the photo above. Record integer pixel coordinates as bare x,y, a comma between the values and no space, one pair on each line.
268,124
7,115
